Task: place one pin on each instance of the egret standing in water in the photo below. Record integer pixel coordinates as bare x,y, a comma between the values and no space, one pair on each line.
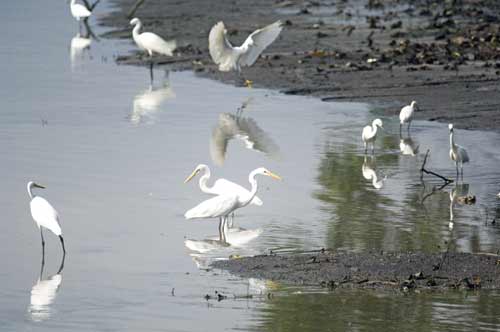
457,153
223,205
79,11
230,57
369,134
221,186
44,215
406,115
151,43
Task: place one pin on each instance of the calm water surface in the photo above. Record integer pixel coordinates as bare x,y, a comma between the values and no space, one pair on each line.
113,152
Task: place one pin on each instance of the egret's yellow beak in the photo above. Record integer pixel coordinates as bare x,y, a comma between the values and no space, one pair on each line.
36,185
191,176
274,176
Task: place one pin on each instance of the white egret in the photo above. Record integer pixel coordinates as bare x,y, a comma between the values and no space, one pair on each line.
221,186
457,153
406,115
369,134
230,57
223,205
79,11
151,43
44,215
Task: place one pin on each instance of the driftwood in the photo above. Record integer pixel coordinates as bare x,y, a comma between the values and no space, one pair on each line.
426,171
134,8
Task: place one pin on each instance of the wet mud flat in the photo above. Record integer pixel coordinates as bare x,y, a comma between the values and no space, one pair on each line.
444,54
403,271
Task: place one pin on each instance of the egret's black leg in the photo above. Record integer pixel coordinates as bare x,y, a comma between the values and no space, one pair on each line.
409,124
43,246
400,126
61,267
62,244
151,71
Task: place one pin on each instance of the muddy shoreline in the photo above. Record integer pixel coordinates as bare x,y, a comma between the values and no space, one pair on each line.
403,271
445,55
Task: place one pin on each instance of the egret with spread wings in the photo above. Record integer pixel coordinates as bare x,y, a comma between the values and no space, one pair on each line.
229,57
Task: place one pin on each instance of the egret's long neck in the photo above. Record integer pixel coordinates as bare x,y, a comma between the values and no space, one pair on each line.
29,192
374,129
253,191
73,2
135,31
203,182
452,141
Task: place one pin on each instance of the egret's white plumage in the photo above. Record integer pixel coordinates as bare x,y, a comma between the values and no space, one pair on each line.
150,42
406,114
230,57
221,186
44,214
79,11
223,205
369,134
457,152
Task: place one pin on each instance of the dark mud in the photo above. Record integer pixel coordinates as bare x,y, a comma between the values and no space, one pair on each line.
444,54
404,271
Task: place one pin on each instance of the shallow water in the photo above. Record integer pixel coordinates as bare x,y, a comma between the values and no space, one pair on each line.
113,153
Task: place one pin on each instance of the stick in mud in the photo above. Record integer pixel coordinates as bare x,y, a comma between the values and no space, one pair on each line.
423,170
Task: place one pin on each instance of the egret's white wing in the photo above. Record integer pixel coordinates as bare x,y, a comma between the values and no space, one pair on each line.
226,187
367,133
261,38
463,153
405,113
157,44
220,48
45,214
213,207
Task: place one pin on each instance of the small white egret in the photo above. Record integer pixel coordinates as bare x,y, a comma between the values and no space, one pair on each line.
44,215
223,205
79,11
406,115
151,43
457,153
221,186
230,57
370,133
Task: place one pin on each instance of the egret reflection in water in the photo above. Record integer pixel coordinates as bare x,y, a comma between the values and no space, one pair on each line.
228,237
460,190
368,169
408,146
80,44
148,102
245,129
43,294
